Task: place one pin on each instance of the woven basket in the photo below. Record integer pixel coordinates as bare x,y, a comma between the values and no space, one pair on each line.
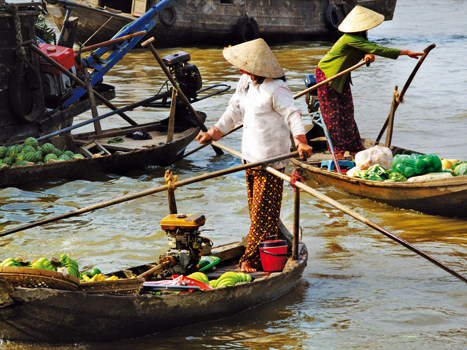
117,287
37,278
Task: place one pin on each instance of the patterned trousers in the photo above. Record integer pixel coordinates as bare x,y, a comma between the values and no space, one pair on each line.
338,114
264,203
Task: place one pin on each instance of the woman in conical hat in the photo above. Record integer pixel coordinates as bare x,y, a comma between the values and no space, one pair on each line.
335,98
265,104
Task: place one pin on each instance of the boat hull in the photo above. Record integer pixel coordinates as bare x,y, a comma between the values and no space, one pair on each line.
157,154
203,22
445,197
42,315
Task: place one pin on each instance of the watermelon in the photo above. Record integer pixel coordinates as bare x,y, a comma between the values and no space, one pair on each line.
78,156
27,149
47,148
69,154
39,156
12,151
31,141
21,163
64,157
19,157
57,152
50,156
30,156
7,161
2,152
39,163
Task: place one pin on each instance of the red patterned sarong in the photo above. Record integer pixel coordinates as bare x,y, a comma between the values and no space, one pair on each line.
264,203
338,115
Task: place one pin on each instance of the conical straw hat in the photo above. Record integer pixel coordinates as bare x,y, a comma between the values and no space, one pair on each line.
360,19
254,57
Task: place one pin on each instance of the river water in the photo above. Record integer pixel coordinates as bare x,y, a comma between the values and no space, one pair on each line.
360,289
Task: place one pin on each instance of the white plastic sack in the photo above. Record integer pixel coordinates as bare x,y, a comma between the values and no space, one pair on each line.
352,171
374,155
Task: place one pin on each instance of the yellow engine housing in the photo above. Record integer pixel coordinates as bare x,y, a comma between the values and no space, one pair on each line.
184,222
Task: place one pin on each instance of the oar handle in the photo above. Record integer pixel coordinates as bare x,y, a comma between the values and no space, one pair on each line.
311,88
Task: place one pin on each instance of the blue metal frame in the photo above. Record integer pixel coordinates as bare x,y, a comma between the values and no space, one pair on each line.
317,119
145,23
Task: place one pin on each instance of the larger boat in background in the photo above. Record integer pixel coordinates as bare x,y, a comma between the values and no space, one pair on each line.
220,22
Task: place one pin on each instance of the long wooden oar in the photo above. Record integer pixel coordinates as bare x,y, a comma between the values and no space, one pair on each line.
350,212
400,96
311,88
149,192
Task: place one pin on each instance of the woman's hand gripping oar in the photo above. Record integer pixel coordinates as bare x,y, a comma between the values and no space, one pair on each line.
350,212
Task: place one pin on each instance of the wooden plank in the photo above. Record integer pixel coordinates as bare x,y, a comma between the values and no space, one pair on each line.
228,251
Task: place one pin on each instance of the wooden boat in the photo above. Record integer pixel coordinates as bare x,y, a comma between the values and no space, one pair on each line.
53,315
446,197
223,22
104,157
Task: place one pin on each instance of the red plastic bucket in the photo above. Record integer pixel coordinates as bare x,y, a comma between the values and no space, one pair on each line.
273,254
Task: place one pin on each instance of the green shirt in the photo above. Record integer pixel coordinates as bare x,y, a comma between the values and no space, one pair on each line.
347,52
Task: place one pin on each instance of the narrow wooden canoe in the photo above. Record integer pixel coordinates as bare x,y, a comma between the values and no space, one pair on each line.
51,315
446,197
129,155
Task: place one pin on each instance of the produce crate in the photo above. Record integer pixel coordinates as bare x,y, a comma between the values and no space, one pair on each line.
28,277
117,287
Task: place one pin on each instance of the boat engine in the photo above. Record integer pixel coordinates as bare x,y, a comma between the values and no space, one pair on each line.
185,242
186,74
57,86
311,98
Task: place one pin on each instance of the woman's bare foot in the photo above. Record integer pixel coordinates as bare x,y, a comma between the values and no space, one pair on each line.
246,267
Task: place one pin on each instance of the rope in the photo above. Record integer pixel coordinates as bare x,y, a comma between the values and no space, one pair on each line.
297,175
20,51
97,31
170,180
397,96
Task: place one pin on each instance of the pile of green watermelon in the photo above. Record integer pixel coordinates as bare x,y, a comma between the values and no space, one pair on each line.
31,153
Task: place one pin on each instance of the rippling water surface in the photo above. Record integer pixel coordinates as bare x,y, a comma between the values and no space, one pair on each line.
360,289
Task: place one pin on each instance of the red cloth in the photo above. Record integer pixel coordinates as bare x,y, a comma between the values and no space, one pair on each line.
338,114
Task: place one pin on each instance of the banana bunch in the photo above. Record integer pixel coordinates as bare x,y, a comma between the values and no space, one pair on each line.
70,265
43,263
199,276
230,279
98,277
10,262
19,262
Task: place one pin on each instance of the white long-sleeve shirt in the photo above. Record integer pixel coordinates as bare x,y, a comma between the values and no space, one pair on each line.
269,115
